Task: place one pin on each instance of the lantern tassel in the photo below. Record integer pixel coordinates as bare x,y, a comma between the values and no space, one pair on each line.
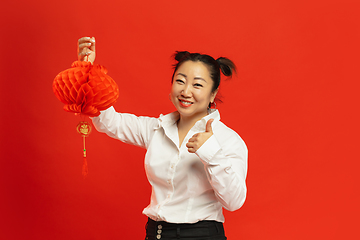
85,170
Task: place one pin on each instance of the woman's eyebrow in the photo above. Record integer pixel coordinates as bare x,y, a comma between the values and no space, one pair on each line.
199,78
196,78
182,74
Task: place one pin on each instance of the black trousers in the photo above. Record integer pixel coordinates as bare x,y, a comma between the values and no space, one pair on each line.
203,230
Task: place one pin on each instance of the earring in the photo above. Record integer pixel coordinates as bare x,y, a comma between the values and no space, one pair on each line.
212,103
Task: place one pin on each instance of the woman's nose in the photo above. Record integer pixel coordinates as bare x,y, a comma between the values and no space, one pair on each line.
186,92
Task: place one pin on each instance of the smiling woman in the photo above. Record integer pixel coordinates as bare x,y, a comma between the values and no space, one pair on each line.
191,94
195,83
195,164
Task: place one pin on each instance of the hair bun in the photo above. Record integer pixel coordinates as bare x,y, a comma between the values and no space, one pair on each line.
179,55
226,66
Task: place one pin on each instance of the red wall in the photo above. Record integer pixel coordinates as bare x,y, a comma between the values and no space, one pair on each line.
295,102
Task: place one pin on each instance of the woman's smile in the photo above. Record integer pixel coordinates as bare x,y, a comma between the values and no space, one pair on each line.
185,103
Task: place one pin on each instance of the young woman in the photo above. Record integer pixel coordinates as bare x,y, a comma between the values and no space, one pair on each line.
195,164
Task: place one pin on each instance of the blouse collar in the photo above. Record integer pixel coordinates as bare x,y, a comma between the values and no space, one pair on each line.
172,118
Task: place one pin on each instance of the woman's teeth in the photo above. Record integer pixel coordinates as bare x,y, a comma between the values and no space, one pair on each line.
186,103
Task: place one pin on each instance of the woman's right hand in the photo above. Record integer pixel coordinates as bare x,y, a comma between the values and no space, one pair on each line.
86,49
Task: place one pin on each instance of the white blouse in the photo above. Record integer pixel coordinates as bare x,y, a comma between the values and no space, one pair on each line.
186,187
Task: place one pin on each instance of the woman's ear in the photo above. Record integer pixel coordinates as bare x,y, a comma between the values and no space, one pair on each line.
213,95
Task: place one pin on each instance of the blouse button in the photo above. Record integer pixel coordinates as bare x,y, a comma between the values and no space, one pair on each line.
159,226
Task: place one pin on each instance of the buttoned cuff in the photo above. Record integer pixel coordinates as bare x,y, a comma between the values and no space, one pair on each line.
208,150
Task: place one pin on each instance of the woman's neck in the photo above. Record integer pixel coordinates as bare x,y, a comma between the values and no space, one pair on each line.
188,122
184,125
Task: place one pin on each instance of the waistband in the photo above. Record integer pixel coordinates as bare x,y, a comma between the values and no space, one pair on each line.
205,228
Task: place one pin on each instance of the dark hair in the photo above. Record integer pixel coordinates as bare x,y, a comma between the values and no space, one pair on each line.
225,65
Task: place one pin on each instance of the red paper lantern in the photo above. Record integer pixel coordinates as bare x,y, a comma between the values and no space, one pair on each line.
85,88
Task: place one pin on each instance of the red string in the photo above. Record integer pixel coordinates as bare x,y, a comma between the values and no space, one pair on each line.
85,170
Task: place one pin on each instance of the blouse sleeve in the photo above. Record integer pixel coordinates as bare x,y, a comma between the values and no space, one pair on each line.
125,127
224,155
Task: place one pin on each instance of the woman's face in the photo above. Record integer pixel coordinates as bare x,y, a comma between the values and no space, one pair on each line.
191,90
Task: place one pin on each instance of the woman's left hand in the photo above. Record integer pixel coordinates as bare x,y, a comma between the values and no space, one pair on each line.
196,141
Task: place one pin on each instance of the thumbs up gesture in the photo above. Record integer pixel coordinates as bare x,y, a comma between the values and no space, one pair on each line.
196,141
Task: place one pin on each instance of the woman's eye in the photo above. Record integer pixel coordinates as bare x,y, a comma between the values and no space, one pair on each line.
198,85
179,81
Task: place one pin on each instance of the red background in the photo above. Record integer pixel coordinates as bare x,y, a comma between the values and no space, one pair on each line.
294,101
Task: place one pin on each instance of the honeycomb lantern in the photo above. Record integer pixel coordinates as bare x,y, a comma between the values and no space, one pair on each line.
85,88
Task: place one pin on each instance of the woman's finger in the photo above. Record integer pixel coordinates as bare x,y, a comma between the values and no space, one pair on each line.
192,145
92,46
84,54
84,40
83,45
191,150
